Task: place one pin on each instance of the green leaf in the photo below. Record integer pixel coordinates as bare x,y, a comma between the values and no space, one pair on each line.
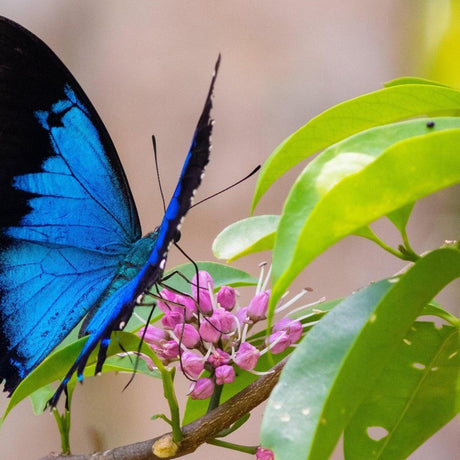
334,368
246,236
350,117
400,217
403,173
56,365
40,398
222,275
412,81
416,394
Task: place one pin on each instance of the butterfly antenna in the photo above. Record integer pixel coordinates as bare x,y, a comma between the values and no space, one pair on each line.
154,142
227,188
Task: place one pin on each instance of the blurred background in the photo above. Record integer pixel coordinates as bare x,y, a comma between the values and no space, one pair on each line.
146,66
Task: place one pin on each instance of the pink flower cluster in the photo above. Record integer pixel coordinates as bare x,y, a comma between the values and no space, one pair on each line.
208,331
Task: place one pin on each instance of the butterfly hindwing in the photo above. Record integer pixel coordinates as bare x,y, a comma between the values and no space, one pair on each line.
67,217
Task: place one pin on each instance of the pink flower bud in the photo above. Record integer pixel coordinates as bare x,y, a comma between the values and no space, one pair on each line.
242,315
170,349
218,358
171,319
225,374
204,282
282,342
292,327
258,306
247,356
187,334
192,364
165,307
210,329
264,454
226,319
202,388
153,335
189,306
226,297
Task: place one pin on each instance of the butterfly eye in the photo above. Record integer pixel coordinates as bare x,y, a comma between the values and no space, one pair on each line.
177,236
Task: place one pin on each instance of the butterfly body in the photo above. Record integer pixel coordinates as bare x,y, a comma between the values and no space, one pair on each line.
70,238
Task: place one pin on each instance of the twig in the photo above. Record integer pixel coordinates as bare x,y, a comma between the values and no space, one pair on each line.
195,433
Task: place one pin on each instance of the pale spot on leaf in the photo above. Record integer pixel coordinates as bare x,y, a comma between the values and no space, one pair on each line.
285,417
407,342
418,366
376,432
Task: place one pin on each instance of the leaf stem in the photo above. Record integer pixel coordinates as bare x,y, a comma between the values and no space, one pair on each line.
63,423
167,377
406,249
366,232
230,445
215,398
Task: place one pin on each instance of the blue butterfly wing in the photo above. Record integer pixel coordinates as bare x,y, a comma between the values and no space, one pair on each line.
67,217
116,310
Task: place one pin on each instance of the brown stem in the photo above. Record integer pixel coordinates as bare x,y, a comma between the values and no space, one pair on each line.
195,433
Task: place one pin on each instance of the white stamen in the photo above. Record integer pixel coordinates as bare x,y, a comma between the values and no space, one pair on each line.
261,276
281,336
290,302
245,331
208,353
303,307
267,279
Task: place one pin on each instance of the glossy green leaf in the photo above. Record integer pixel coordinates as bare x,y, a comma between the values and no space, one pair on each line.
416,394
55,366
246,236
335,367
406,171
350,117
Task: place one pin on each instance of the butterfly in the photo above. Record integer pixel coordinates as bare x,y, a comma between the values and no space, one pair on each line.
70,238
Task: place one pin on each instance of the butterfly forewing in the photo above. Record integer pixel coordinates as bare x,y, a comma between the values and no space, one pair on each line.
67,217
